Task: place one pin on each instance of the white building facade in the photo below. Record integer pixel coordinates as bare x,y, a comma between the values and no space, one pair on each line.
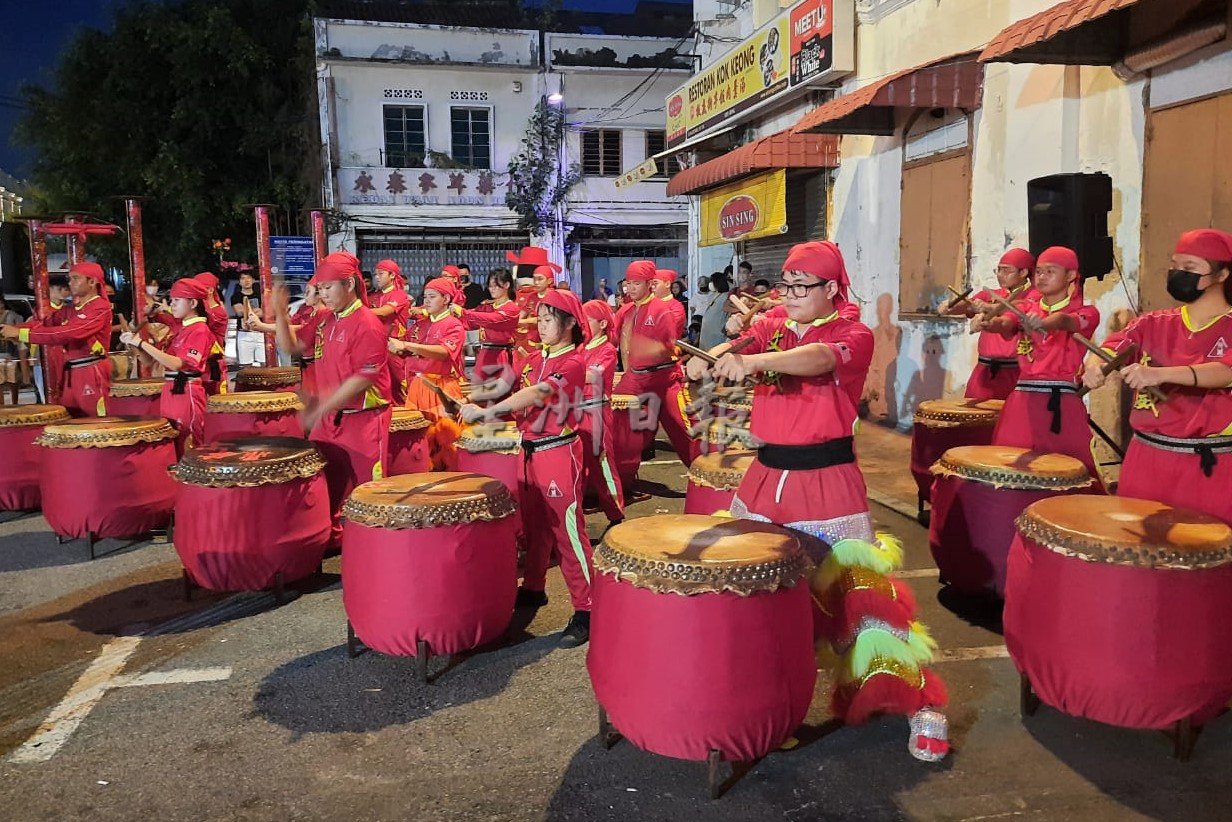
419,123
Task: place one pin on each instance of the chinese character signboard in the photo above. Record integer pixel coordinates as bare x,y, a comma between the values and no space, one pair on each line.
292,255
645,171
752,208
421,186
811,43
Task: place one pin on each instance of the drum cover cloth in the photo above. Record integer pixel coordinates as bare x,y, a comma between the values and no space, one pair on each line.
928,443
220,426
702,499
409,453
120,491
679,676
144,406
1129,646
238,539
501,466
452,585
19,481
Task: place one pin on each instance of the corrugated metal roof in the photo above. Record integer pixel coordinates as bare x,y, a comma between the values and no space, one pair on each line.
782,150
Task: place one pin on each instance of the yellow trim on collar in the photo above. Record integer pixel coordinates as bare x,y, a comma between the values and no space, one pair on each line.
596,342
817,323
349,310
1069,295
193,320
1189,326
643,302
547,355
440,316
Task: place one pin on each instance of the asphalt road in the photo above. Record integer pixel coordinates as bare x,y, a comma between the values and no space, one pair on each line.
235,708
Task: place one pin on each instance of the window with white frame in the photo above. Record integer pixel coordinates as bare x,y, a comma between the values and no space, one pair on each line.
601,152
656,143
405,140
471,134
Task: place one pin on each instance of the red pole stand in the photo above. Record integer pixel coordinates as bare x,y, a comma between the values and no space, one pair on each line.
73,244
318,235
261,213
42,296
136,256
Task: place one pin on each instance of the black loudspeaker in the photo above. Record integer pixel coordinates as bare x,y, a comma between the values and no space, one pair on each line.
1072,210
14,258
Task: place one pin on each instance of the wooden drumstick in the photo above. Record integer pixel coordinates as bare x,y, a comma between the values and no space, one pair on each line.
1154,391
694,351
957,299
1112,365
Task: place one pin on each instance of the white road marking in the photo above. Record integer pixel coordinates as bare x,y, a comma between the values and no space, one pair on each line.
179,676
77,703
968,654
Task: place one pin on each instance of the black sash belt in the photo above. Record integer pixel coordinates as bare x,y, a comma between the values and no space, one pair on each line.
215,369
80,361
1205,447
497,346
808,457
179,379
995,364
544,443
1054,389
652,368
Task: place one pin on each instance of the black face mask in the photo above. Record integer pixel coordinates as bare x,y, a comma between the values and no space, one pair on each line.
1183,285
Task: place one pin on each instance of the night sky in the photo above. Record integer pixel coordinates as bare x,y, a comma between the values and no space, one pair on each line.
32,32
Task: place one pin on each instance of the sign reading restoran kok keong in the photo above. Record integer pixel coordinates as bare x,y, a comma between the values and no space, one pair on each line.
752,208
810,43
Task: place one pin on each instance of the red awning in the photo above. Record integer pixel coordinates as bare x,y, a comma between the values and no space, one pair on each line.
782,150
1064,34
954,82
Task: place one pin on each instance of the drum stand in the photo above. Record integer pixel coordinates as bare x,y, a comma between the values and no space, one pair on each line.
715,784
1182,733
162,536
355,647
278,589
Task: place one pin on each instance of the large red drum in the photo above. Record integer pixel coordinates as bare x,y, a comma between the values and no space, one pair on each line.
627,442
494,451
978,492
135,398
429,558
1117,610
409,452
20,426
253,414
107,476
676,599
272,378
944,424
713,480
252,513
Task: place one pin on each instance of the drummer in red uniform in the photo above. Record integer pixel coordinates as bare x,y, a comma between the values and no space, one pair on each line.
1044,412
647,330
349,419
390,303
810,368
1181,451
304,345
83,337
595,425
216,317
497,321
664,277
57,312
996,371
532,262
554,379
184,360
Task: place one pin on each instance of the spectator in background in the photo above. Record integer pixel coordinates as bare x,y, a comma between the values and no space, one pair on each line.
602,292
249,345
695,330
761,288
716,316
9,317
677,289
744,272
621,296
702,298
474,293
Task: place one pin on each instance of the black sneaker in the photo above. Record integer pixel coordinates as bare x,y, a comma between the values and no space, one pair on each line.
530,599
577,632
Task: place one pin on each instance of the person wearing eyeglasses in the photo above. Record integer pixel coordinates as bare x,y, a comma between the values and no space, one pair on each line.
996,369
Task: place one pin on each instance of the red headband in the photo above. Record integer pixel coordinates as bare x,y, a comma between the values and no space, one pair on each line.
1058,255
1020,258
339,266
1207,243
546,271
445,286
640,271
207,279
602,312
821,259
189,288
568,302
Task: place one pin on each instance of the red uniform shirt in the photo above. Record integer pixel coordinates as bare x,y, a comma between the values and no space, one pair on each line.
85,331
216,319
1167,338
443,329
310,320
565,373
789,410
1055,355
353,343
991,344
600,356
496,323
647,334
192,343
677,310
526,337
396,323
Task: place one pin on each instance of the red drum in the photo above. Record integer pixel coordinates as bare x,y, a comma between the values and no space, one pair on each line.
626,408
428,563
409,452
252,513
713,480
253,414
107,476
944,424
676,599
1117,610
261,378
20,427
136,398
978,492
494,451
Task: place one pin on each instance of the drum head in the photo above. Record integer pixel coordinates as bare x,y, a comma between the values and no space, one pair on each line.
106,432
1004,466
254,402
694,554
250,461
407,419
145,387
1127,531
954,413
723,471
14,416
498,437
279,376
429,500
